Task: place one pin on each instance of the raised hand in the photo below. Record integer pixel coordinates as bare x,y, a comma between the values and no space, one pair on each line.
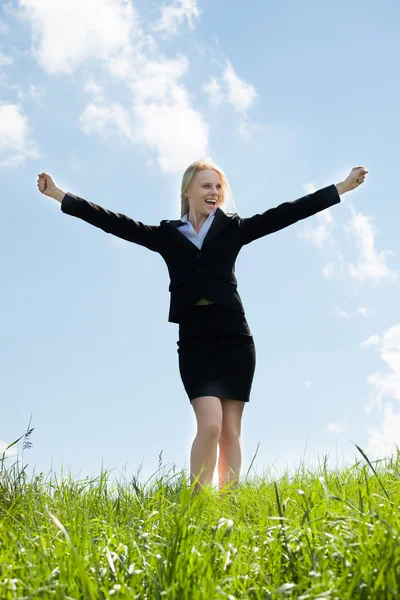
46,184
355,178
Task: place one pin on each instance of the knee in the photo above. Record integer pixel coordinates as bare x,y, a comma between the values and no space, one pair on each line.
230,434
210,430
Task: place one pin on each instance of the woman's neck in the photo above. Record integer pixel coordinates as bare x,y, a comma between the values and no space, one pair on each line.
197,220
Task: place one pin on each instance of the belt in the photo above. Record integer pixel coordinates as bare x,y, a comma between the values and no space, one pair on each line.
203,301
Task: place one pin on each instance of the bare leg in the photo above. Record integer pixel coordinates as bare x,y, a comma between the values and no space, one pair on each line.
230,450
229,461
203,456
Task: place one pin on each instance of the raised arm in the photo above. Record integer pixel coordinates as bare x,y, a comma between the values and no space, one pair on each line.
288,213
115,223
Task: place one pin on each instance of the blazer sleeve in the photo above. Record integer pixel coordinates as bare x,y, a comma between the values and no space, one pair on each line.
115,223
288,213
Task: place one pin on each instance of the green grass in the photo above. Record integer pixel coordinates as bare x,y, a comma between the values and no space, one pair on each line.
322,534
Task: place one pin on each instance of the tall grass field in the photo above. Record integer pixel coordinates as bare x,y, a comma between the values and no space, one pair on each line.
331,534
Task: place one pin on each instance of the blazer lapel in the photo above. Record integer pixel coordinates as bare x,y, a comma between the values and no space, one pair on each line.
220,221
172,229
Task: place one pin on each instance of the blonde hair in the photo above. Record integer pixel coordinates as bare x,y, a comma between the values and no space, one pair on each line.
200,165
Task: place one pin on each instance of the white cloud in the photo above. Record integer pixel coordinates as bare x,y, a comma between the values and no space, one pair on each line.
15,145
159,113
37,94
328,270
232,90
384,439
362,310
240,94
175,14
91,87
340,312
214,91
106,120
5,60
385,384
176,132
336,428
11,452
162,115
310,188
153,79
319,234
322,231
371,341
65,34
371,264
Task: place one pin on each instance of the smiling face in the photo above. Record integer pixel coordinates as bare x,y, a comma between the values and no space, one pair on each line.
205,185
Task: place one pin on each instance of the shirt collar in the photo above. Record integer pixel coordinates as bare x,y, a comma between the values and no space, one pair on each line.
184,219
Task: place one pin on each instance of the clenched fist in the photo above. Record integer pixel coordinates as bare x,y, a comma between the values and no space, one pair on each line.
353,180
356,177
46,184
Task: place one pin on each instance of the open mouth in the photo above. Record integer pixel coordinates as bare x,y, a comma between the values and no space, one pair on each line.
211,202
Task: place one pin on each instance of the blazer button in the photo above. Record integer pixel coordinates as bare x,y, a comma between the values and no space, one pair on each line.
199,255
199,269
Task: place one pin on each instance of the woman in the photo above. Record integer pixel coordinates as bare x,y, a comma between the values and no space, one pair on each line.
216,347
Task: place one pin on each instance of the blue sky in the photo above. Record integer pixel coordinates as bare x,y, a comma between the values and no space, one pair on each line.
286,98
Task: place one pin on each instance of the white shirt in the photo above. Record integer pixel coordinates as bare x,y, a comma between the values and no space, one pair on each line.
188,230
197,238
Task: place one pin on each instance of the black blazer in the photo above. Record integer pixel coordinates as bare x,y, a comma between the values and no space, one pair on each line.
209,272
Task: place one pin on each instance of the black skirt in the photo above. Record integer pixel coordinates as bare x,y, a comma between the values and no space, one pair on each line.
217,355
